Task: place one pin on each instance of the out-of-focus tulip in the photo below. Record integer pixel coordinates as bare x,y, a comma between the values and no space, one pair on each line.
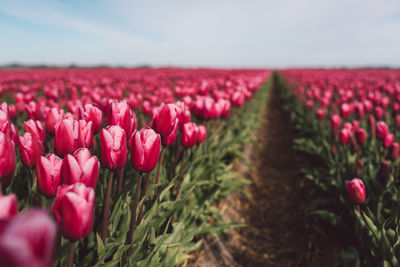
201,133
379,112
335,122
113,147
360,111
359,167
93,114
81,167
30,149
356,191
397,121
164,119
237,99
383,173
189,134
54,115
66,137
321,113
120,114
33,111
8,206
7,157
372,125
170,139
74,210
5,124
388,141
85,133
48,174
361,136
209,111
394,151
344,136
35,128
28,239
345,110
145,149
382,130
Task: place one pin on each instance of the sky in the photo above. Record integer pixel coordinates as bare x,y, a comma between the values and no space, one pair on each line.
215,33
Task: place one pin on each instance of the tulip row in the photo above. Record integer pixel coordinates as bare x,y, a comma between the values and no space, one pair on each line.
349,120
118,160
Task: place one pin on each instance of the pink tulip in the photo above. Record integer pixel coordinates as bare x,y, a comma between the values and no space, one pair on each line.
35,128
361,136
66,137
201,133
30,149
48,174
113,147
7,157
382,130
164,119
54,115
394,151
145,149
189,134
344,136
92,113
120,114
8,206
170,139
356,191
85,133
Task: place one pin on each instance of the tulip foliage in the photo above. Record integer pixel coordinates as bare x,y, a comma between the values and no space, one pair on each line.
349,122
119,167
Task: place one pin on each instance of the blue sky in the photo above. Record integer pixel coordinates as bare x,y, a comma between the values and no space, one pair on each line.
220,33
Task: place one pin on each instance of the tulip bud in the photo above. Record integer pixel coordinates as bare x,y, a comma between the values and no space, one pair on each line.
85,133
48,174
344,136
382,130
66,137
360,111
356,191
113,148
35,128
189,134
388,140
28,240
54,115
74,210
7,157
92,113
170,139
361,136
30,149
164,119
8,206
145,149
383,173
394,151
335,122
81,167
201,133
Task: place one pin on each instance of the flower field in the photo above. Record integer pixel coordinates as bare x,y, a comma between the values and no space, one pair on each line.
119,167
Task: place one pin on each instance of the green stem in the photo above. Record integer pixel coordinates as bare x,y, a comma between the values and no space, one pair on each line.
157,178
106,209
143,195
133,215
178,188
71,254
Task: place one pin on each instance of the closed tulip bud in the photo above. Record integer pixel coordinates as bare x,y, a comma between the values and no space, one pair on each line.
85,133
356,191
383,173
201,133
209,111
92,113
344,136
361,136
394,151
66,137
321,113
74,210
388,140
189,134
81,167
48,174
7,157
382,130
30,149
28,240
164,119
33,111
335,122
54,115
8,206
170,139
345,110
113,148
226,107
35,128
145,149
379,112
120,114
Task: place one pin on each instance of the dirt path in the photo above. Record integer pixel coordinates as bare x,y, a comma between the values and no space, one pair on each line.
277,234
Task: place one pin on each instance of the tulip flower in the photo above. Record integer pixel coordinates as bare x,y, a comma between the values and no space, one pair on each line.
28,239
54,115
372,124
5,124
394,151
33,111
81,167
170,139
201,133
145,149
30,149
379,112
383,173
85,133
321,113
237,99
345,110
361,136
74,210
335,122
164,119
8,206
344,136
382,130
209,111
120,114
92,113
189,134
66,137
35,128
48,174
356,191
7,158
113,148
387,142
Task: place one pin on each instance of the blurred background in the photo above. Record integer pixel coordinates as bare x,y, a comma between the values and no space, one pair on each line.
218,33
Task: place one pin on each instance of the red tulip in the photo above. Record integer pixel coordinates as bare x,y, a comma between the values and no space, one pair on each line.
48,174
344,136
170,139
361,136
189,134
85,133
201,133
35,128
28,240
7,157
66,137
145,149
53,116
30,149
394,151
164,119
345,110
92,113
382,130
8,206
113,147
388,140
81,167
120,114
321,113
356,191
379,112
74,210
335,121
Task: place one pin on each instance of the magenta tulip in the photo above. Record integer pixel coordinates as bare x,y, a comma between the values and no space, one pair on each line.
48,174
113,147
120,114
388,141
66,137
201,133
7,157
344,136
8,206
356,191
394,151
54,115
30,149
85,133
170,139
335,121
35,128
361,136
145,149
92,113
164,119
382,130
